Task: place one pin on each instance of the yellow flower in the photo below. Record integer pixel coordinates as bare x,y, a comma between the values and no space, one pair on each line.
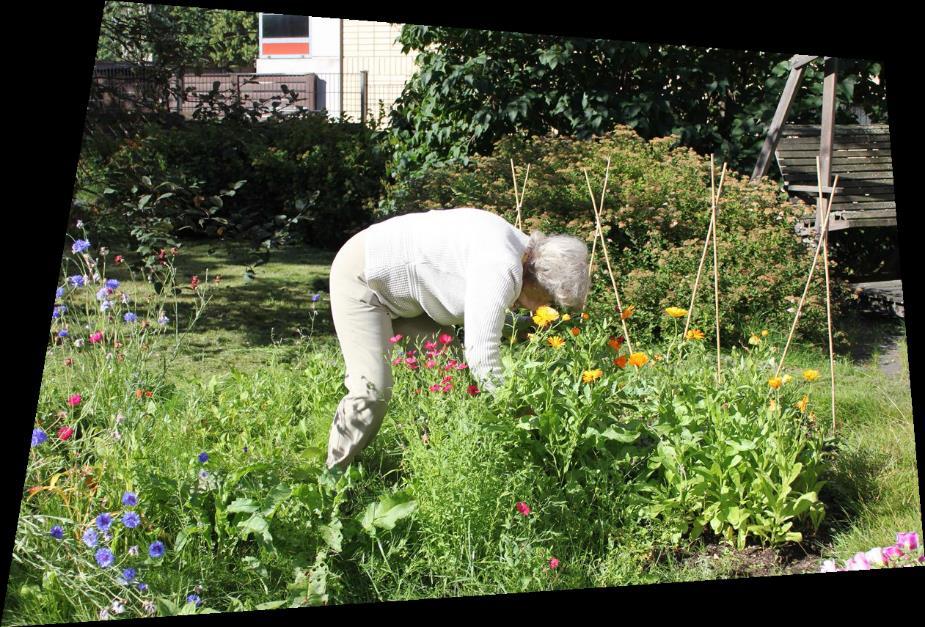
566,317
754,340
764,333
803,403
530,336
545,315
555,341
676,312
638,359
591,375
628,311
694,334
786,379
774,382
658,357
810,375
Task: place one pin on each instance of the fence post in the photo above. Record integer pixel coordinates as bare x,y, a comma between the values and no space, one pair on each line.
364,94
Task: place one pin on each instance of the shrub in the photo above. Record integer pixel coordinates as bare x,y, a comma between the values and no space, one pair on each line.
303,176
655,218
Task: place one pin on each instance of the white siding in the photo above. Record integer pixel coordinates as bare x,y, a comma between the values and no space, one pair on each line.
371,46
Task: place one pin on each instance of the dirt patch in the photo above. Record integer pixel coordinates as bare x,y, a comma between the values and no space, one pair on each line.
728,562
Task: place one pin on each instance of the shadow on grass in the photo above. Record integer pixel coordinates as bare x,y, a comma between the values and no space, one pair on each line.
869,334
851,482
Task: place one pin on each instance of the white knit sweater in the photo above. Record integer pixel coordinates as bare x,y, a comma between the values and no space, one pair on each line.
458,266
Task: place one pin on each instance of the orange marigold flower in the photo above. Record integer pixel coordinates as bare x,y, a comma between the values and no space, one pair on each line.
620,361
584,316
575,331
694,334
775,382
638,359
615,343
628,311
555,341
764,333
591,375
803,403
139,393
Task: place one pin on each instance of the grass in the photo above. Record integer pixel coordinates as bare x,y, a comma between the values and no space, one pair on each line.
260,402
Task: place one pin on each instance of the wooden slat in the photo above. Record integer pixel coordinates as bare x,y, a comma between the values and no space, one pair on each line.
880,169
848,161
875,175
855,140
810,130
837,154
871,206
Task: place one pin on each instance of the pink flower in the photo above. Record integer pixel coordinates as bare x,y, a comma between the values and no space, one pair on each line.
432,353
430,345
446,387
411,353
96,337
65,433
396,361
446,338
118,259
412,363
450,365
446,378
430,363
472,390
74,400
523,508
395,338
461,366
908,540
858,562
828,566
892,552
434,388
553,563
875,557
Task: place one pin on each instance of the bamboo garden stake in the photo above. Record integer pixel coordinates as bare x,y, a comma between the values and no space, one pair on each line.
825,226
613,282
519,197
828,296
597,232
715,272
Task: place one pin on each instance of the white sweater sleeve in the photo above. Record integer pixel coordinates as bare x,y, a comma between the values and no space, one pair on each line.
489,292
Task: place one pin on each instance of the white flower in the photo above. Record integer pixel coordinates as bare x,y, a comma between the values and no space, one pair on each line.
117,607
119,418
828,566
875,557
133,550
104,614
149,606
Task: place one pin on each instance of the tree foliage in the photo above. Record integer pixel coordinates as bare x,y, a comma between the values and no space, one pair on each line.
473,87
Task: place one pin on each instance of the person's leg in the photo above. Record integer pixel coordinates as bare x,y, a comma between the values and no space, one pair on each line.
363,329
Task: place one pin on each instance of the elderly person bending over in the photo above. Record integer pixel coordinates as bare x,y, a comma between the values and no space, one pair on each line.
417,274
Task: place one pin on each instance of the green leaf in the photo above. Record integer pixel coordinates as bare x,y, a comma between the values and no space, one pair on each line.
258,526
388,511
248,506
332,535
270,605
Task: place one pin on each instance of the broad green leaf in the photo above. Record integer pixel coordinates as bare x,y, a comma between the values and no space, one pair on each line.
248,506
389,510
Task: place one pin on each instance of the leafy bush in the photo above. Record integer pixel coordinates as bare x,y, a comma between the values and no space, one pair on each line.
655,218
300,175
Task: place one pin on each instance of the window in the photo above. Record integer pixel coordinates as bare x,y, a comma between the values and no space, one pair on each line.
277,26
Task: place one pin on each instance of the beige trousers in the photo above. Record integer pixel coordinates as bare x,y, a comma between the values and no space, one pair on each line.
363,328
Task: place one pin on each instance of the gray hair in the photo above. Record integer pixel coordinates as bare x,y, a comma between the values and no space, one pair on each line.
559,264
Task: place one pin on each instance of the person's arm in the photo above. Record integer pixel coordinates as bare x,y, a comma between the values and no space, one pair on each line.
489,293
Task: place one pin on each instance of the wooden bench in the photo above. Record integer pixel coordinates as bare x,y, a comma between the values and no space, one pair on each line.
860,157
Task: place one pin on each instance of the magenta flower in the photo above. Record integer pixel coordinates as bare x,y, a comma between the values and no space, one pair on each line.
523,508
908,540
446,338
553,563
858,562
411,353
412,362
434,388
430,363
892,552
875,557
74,400
430,345
461,366
396,361
395,338
472,390
96,337
65,433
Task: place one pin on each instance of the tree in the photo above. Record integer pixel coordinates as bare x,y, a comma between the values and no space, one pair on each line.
472,87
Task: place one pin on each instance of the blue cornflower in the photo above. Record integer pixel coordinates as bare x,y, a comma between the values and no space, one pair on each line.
112,284
103,293
62,333
130,519
59,311
194,598
163,320
203,458
106,305
77,280
57,532
142,586
128,575
103,521
130,499
105,558
315,298
90,538
80,246
156,549
38,437
130,317
59,293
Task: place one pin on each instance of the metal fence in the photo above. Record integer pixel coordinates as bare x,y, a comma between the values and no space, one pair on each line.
358,95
